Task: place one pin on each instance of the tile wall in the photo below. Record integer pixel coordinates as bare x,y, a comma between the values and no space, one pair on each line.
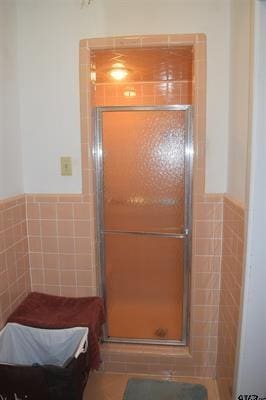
146,94
14,262
61,245
231,286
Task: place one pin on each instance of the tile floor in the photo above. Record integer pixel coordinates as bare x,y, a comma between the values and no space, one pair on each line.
111,386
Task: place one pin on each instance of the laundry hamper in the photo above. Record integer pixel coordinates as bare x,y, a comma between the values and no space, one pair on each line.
43,364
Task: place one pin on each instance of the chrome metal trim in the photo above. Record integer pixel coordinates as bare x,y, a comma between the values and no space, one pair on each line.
177,107
188,222
187,217
145,341
142,233
99,215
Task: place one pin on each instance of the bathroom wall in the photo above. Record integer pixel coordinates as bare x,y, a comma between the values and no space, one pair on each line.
14,264
250,371
232,268
11,175
239,98
48,64
48,116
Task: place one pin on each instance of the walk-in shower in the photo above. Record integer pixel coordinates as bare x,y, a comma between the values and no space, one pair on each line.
143,160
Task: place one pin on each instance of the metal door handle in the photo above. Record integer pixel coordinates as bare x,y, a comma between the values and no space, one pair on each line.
143,233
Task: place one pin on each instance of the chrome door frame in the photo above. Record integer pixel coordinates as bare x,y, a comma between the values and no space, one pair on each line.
187,237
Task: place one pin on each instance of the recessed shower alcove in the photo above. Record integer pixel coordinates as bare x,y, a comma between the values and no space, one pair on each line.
143,151
165,75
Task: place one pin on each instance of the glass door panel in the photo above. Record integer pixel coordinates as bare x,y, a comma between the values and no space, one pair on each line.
143,170
144,286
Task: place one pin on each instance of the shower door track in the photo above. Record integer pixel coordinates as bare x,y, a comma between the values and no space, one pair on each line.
186,235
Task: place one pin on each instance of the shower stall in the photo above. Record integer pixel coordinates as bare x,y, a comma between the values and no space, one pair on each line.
144,158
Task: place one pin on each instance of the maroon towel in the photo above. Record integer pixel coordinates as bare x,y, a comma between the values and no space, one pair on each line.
56,312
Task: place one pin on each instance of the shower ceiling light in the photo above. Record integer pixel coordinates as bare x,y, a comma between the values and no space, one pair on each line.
118,71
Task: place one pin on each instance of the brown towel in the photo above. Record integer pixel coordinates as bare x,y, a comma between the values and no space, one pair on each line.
56,312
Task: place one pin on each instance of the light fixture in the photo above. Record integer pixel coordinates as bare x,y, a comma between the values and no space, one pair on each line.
130,92
93,73
93,76
118,71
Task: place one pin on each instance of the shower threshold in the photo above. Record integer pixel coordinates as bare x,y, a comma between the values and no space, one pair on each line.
147,324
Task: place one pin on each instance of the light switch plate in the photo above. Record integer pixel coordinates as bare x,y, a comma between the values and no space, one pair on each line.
66,166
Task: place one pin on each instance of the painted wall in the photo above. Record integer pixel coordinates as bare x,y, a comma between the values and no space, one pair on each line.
49,32
239,98
11,182
252,361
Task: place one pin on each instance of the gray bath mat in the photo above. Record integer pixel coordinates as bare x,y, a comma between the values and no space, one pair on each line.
148,389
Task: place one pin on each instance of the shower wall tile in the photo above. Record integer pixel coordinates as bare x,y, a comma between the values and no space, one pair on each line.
146,94
14,261
231,287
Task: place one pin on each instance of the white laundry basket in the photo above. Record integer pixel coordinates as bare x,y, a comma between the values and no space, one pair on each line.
43,363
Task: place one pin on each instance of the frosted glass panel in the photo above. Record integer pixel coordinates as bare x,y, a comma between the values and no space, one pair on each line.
144,286
143,170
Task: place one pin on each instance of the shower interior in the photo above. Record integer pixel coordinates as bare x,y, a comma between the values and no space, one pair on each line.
143,148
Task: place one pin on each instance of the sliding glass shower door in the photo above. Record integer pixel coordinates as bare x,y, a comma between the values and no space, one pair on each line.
144,188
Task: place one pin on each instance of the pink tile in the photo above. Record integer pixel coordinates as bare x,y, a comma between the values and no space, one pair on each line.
66,245
83,261
34,227
51,277
65,228
49,244
51,260
67,261
35,244
48,228
37,276
48,211
36,260
82,228
69,291
64,211
85,278
81,211
83,245
33,211
68,278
